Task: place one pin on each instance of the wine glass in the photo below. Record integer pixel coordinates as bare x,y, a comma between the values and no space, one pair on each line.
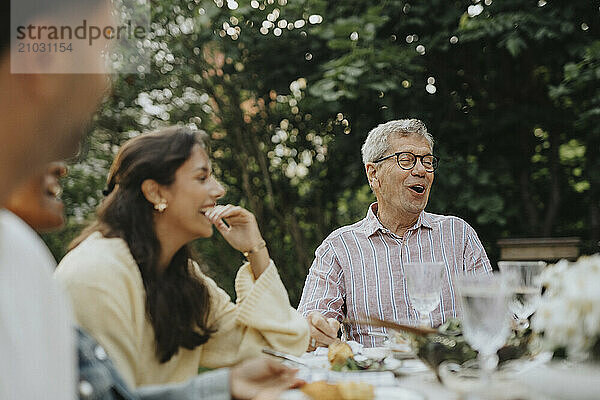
486,318
424,284
525,286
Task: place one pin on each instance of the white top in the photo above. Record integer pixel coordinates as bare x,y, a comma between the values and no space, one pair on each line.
37,343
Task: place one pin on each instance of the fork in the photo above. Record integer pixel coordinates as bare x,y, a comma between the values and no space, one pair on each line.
284,356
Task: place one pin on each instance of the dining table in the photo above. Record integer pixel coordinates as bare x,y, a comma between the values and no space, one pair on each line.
410,379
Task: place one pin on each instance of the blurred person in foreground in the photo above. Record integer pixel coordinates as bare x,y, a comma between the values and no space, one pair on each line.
37,203
136,288
42,118
44,115
357,271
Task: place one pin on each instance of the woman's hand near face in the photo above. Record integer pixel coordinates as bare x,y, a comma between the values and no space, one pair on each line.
242,233
238,226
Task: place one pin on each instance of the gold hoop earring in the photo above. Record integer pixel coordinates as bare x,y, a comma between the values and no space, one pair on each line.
160,207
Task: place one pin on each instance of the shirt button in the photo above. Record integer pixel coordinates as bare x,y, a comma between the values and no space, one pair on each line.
85,389
100,353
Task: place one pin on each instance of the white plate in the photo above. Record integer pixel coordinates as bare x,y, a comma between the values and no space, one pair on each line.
375,353
381,393
314,361
318,364
375,378
397,393
411,366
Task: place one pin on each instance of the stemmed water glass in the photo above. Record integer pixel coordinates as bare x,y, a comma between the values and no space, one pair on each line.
424,284
486,318
525,286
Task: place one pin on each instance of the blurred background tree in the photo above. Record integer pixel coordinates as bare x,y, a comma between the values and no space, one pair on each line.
288,90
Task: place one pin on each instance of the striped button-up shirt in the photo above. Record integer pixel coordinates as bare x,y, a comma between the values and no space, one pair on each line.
358,270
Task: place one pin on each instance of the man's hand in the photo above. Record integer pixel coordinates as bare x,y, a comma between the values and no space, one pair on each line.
322,331
261,378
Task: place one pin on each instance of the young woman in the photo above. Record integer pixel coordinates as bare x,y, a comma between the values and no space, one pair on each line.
135,287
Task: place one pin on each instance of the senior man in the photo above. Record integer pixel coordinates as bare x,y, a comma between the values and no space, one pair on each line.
358,269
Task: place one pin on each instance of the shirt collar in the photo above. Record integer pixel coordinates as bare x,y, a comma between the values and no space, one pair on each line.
372,223
424,221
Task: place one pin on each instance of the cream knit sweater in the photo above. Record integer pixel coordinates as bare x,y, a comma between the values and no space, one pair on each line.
106,288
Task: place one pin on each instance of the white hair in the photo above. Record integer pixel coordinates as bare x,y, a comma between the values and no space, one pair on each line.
377,142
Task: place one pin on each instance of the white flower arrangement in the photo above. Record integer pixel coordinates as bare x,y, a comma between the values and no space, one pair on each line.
568,316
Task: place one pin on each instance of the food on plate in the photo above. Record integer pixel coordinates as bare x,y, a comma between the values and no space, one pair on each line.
398,343
449,344
339,352
322,390
341,358
356,390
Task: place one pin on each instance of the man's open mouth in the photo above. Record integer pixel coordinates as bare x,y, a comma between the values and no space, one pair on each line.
417,188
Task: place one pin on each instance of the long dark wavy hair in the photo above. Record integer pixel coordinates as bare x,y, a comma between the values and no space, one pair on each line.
177,301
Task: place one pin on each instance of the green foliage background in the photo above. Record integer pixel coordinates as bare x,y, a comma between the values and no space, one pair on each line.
288,90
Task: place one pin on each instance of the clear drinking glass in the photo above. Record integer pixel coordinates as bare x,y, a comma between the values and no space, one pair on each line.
523,278
424,284
486,317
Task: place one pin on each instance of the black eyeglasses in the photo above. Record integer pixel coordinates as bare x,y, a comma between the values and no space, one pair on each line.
407,160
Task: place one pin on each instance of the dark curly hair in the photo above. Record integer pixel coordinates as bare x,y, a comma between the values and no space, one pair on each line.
177,300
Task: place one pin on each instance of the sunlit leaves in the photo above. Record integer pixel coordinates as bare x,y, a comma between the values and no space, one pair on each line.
288,90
